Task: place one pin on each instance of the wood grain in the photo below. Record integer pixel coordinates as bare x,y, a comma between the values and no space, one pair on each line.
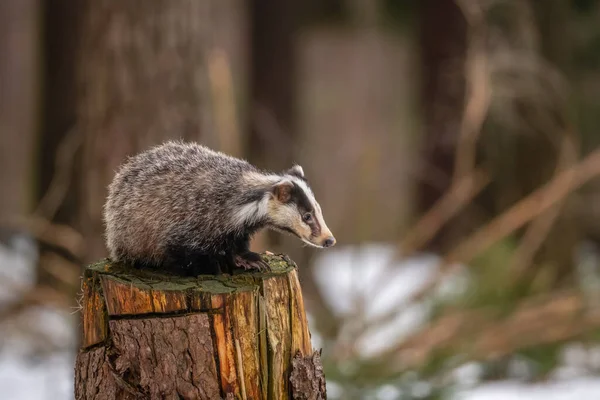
127,299
151,336
245,318
277,306
95,319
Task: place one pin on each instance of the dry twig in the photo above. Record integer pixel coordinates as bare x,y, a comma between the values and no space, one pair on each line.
59,186
540,227
58,235
514,218
479,92
450,204
482,334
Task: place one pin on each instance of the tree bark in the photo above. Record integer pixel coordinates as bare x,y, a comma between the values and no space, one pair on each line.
531,136
443,39
271,132
19,96
142,79
151,336
59,145
560,246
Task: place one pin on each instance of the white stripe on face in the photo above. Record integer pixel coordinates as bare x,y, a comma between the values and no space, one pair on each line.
325,232
318,214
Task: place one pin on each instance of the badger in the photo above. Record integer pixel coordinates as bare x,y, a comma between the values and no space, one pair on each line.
183,207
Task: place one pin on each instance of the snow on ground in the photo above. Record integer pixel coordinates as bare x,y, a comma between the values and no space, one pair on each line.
16,259
23,375
22,379
573,389
368,282
345,272
350,271
349,275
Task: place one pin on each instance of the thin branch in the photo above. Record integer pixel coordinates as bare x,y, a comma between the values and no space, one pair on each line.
451,203
514,218
59,186
37,295
479,92
540,227
57,235
484,334
528,208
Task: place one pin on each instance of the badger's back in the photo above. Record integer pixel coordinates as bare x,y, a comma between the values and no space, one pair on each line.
176,194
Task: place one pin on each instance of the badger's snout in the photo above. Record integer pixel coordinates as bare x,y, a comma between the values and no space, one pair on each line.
329,242
322,242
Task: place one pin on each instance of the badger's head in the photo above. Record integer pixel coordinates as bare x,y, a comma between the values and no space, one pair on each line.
292,208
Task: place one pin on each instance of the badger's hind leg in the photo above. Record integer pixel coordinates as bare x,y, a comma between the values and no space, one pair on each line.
185,262
205,264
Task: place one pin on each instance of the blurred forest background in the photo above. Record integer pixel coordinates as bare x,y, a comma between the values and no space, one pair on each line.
453,146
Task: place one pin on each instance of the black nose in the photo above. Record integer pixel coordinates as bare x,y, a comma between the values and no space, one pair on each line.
330,241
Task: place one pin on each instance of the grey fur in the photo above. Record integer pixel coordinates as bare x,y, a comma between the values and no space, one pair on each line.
184,197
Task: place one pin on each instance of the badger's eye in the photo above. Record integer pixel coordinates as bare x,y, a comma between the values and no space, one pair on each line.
307,217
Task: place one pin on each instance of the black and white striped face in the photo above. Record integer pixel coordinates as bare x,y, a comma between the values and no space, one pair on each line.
294,209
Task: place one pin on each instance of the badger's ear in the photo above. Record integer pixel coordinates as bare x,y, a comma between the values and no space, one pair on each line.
283,191
296,170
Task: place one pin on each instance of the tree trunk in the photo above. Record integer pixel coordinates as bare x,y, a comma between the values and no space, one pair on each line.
19,95
242,336
530,137
560,246
443,40
142,79
59,147
271,136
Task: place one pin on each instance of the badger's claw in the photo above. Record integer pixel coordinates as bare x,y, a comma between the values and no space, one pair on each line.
251,262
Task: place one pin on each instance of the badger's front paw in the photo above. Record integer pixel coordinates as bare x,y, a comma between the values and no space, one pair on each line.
250,261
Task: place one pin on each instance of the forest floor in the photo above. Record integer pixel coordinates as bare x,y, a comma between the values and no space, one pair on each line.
25,375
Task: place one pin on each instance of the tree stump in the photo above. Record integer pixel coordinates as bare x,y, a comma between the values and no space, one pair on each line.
153,336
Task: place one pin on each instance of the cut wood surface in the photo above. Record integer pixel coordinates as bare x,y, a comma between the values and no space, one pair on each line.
153,336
